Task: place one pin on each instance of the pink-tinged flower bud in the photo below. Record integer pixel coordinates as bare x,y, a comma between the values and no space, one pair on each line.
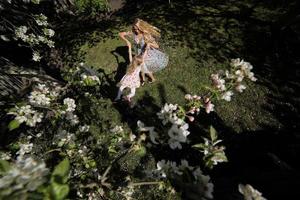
198,98
191,118
198,109
195,96
209,107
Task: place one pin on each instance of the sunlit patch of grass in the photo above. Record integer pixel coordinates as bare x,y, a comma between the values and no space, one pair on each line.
101,56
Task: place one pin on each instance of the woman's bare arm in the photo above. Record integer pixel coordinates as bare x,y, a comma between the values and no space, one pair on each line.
123,37
153,44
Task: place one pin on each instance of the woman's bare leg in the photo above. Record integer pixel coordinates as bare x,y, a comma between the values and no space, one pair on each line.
150,74
143,77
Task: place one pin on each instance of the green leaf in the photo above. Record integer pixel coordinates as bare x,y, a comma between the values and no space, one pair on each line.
4,166
199,146
213,133
61,172
220,156
13,125
59,191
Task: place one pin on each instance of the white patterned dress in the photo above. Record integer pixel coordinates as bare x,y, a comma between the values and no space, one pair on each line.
155,60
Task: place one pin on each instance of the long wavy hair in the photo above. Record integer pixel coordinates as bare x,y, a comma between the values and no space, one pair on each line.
136,61
151,33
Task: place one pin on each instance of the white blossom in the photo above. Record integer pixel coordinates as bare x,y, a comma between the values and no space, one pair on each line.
27,114
227,96
26,175
25,148
50,43
132,137
218,82
20,32
41,20
163,167
49,32
70,103
5,155
84,128
240,88
178,134
236,62
36,56
37,97
117,129
188,96
153,135
168,114
250,193
72,118
63,137
209,107
43,88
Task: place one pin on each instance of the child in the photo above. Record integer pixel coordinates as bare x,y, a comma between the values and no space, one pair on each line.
131,79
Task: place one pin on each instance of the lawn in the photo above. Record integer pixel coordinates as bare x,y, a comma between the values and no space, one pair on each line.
184,74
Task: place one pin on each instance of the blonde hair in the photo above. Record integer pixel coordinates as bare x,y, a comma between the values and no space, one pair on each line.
136,61
150,32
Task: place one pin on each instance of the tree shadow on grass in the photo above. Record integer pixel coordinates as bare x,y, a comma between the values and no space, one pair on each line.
76,31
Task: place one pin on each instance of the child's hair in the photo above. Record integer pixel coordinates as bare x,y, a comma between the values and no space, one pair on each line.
136,61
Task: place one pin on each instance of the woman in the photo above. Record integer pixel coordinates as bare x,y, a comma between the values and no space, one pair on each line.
145,44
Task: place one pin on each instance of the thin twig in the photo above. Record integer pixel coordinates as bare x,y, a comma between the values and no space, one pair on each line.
145,183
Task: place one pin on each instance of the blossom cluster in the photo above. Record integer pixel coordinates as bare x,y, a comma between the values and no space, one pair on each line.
152,133
179,128
167,168
25,175
225,81
41,20
26,114
64,138
33,38
5,155
250,193
88,80
24,149
195,102
42,95
68,111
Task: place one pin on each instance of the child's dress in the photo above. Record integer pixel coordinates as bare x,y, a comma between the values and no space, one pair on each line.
131,81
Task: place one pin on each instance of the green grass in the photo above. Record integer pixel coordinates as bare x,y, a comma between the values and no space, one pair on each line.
244,113
100,56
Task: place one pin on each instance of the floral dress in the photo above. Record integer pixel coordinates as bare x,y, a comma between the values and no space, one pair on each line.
155,60
131,80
